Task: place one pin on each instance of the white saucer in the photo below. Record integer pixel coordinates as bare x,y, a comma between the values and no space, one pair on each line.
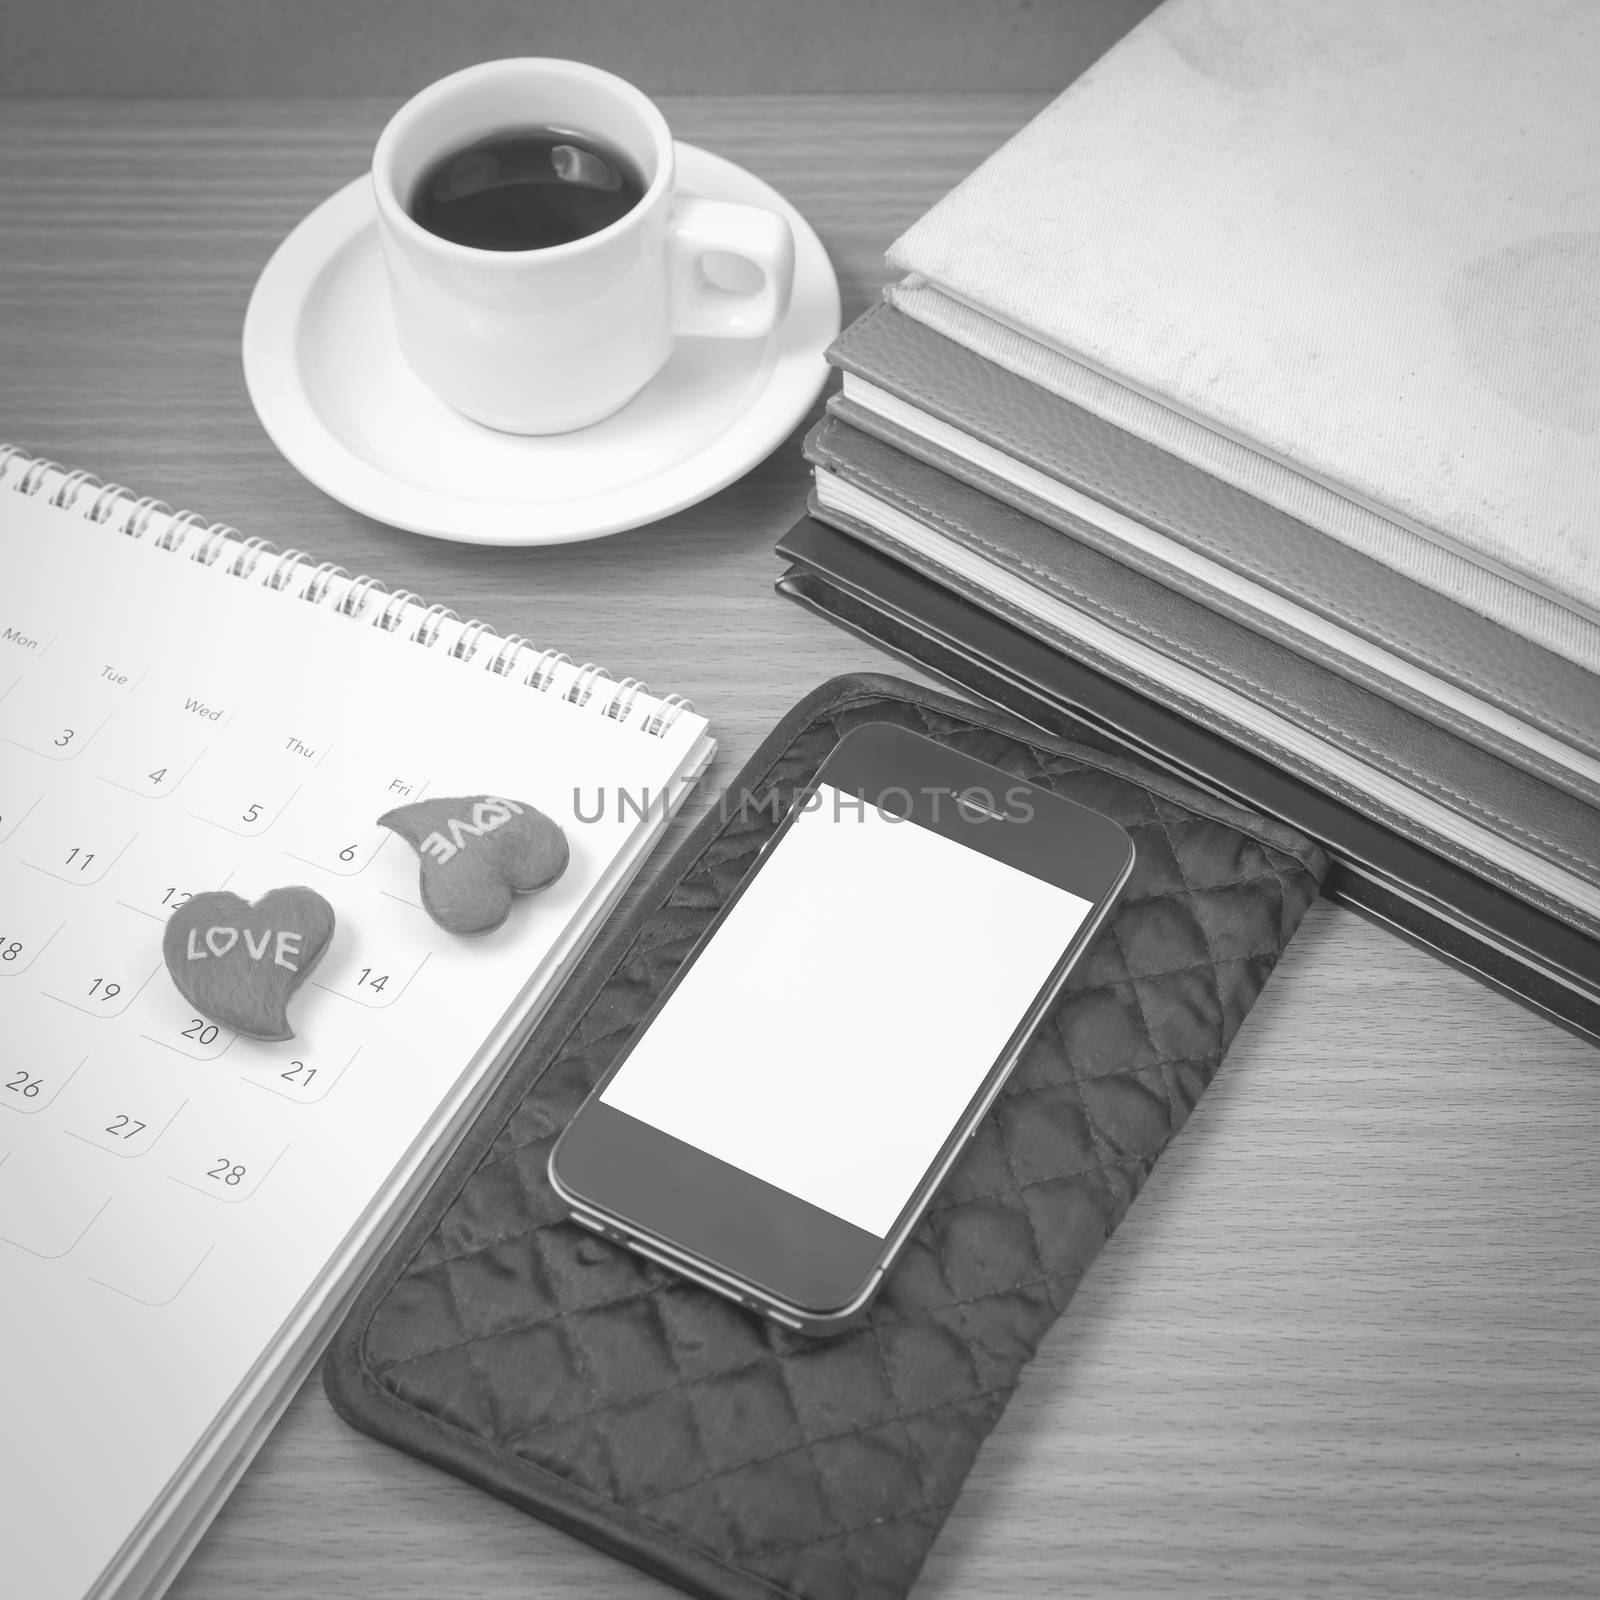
337,398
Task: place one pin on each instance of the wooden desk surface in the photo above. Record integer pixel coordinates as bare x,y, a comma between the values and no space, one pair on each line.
1348,1339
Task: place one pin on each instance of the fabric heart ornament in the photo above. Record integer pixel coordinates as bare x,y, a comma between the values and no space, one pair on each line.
477,852
238,963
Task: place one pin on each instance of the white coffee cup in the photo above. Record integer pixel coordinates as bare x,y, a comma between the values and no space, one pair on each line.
543,341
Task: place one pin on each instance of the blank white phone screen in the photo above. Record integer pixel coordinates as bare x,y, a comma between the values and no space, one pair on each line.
840,1021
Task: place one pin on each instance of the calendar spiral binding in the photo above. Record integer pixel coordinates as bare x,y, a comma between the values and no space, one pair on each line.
254,560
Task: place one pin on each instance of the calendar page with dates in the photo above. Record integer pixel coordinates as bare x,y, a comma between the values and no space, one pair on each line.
184,1209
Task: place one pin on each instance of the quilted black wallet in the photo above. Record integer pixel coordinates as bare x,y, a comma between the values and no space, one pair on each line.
686,1435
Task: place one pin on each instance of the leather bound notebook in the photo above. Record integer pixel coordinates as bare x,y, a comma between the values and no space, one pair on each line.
1380,870
681,1432
974,420
1470,808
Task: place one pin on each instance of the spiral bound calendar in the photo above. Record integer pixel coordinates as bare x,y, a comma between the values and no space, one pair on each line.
183,1211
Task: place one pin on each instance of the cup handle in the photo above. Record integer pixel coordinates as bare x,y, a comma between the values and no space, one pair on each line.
701,308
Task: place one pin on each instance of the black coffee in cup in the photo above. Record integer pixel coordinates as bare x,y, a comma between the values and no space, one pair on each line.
526,189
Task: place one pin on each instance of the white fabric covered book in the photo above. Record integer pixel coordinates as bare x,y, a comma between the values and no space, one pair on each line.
1359,240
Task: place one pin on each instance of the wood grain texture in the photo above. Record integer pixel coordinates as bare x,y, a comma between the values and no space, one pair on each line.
1348,1340
348,47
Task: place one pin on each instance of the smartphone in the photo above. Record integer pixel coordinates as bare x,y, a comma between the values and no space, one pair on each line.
784,1115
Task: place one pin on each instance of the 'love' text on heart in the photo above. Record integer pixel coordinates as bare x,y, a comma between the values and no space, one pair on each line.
283,943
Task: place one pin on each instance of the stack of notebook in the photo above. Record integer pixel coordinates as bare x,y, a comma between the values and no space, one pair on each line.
1246,404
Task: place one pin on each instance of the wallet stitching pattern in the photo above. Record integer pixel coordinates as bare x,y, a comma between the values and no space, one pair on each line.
806,1447
841,1529
646,1294
1210,967
1194,535
522,1465
479,1153
1177,647
1108,1158
1010,1096
1295,844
